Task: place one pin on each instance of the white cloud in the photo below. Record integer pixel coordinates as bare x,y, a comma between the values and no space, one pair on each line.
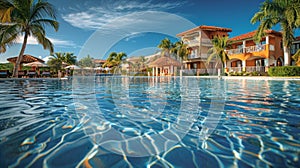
56,42
97,16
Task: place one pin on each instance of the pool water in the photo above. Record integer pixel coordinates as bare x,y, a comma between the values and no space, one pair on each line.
149,122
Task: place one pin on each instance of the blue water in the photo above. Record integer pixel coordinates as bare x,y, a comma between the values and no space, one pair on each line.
149,122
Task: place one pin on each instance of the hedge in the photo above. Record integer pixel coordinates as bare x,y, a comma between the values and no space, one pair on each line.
284,71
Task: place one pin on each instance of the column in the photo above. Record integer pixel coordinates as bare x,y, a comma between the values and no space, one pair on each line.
244,46
244,65
172,70
156,71
153,71
267,40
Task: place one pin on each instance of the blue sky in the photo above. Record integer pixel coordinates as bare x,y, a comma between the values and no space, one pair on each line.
97,27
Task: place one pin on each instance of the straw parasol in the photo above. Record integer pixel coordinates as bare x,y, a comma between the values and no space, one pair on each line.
36,64
165,61
72,67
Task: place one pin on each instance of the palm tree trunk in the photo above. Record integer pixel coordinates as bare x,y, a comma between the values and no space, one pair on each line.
287,58
20,57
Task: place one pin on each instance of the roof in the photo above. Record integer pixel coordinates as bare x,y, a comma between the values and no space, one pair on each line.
251,35
207,28
98,61
26,59
164,61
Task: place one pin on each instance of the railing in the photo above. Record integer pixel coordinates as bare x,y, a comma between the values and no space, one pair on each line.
235,51
197,72
255,48
206,41
255,69
192,56
249,49
193,42
235,69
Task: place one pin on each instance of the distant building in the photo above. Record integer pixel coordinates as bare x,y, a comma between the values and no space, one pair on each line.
98,62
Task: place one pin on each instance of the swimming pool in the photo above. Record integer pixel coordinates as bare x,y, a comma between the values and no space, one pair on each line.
149,122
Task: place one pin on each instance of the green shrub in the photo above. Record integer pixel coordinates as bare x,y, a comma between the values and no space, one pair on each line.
284,71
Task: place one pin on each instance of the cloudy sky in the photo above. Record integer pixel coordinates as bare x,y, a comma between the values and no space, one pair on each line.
97,27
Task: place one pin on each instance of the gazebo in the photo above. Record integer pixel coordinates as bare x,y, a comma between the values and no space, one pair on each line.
164,66
26,59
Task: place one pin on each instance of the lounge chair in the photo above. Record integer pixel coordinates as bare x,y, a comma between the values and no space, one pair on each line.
46,74
21,74
31,74
4,73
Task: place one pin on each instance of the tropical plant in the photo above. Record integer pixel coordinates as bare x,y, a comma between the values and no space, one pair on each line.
56,61
165,46
25,18
86,62
296,57
142,62
283,12
181,50
70,58
218,51
115,59
59,58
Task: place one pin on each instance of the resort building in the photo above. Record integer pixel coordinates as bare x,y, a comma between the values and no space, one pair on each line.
98,62
199,41
247,55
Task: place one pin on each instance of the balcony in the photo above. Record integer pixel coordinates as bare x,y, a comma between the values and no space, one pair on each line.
250,49
193,56
192,42
206,42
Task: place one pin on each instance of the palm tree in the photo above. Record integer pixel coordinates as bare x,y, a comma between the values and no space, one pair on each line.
109,60
115,59
28,18
121,56
296,57
165,46
69,58
56,60
283,12
218,51
181,50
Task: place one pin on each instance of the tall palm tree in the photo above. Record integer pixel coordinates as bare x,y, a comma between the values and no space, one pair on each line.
218,51
283,12
25,18
165,46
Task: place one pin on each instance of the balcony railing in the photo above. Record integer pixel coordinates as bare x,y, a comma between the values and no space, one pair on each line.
206,42
192,56
235,69
250,49
255,69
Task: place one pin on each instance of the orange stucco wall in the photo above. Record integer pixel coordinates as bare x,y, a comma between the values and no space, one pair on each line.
250,63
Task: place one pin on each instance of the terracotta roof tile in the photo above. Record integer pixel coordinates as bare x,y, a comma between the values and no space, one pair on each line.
207,28
251,35
26,59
